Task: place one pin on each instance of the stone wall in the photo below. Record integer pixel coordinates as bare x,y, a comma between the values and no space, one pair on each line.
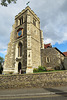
30,41
9,58
52,58
65,63
40,80
33,43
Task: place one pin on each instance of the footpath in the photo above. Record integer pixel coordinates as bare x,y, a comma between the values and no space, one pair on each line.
33,91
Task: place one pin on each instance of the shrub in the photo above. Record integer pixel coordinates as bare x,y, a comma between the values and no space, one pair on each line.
35,70
41,68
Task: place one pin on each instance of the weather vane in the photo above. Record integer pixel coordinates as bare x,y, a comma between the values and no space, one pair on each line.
28,3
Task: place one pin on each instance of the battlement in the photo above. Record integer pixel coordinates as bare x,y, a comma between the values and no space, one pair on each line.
26,9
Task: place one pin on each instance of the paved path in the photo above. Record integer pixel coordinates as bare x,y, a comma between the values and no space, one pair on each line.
34,94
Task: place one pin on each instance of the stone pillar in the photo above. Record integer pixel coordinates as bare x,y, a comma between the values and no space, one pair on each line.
42,42
16,56
29,56
29,51
18,22
16,68
16,51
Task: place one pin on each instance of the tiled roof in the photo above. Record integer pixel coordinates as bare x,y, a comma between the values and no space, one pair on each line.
47,45
65,53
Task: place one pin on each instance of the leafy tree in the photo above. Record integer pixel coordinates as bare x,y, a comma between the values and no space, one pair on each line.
1,59
1,67
6,2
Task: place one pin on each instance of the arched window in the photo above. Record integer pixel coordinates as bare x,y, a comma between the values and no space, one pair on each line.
20,49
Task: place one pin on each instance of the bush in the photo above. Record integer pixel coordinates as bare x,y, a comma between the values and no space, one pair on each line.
39,69
35,70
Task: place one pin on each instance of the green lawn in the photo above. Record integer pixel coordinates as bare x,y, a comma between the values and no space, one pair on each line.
48,71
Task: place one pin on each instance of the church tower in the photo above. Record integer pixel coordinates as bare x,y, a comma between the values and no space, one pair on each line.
26,42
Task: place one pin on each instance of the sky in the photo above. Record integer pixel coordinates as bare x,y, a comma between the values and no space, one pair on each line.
53,21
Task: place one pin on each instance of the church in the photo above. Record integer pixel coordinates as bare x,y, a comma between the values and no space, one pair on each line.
26,47
26,42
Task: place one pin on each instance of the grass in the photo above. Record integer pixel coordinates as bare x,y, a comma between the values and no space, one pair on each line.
48,71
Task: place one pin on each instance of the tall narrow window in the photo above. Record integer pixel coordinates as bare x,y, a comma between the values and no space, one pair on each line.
20,21
20,50
47,60
34,22
16,22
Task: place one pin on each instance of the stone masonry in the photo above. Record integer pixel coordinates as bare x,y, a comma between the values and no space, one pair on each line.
40,80
65,63
24,49
52,58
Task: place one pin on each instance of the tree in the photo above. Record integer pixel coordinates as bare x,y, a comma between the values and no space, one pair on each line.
6,2
1,66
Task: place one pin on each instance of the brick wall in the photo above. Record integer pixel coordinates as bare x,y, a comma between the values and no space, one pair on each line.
34,80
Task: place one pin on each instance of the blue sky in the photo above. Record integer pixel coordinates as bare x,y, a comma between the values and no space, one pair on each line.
62,47
53,20
2,55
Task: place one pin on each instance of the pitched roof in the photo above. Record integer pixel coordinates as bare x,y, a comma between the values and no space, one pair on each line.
59,51
47,45
65,53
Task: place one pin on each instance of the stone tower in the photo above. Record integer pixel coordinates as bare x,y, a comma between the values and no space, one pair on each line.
26,42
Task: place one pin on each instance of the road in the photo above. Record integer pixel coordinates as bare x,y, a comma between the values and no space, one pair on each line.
40,97
55,93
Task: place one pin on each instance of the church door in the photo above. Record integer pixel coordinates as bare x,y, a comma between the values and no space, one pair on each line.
19,67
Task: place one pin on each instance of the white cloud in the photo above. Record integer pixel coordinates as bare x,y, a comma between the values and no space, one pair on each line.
53,20
3,52
52,13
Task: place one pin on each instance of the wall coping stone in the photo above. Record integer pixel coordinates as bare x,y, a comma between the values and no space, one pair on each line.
34,73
